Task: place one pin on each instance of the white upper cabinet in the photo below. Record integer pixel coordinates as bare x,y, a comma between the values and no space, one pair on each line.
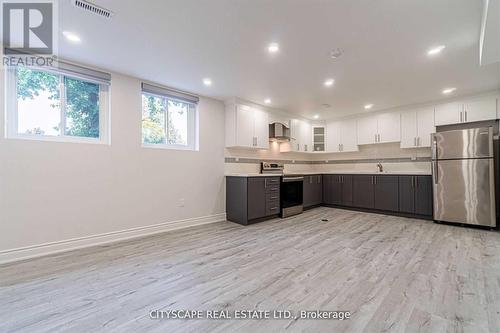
244,117
294,144
333,141
295,135
367,130
261,129
380,128
246,127
341,136
306,136
416,128
479,109
300,137
389,125
425,126
349,139
466,111
409,131
449,113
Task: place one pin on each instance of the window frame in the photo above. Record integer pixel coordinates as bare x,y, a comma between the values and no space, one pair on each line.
192,126
12,114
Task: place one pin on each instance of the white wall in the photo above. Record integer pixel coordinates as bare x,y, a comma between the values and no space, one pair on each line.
58,191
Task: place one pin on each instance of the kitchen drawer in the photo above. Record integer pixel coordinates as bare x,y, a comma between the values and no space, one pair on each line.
272,181
273,189
273,196
272,207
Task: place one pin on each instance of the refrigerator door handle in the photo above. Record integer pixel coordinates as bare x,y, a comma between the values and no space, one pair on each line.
435,172
434,147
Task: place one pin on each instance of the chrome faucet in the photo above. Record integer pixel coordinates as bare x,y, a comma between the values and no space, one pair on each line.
380,167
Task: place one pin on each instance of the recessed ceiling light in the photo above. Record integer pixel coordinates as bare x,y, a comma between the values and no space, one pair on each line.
267,101
449,90
329,82
71,37
436,50
316,116
207,81
273,48
368,106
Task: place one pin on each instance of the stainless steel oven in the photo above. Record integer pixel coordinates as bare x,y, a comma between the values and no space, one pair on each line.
291,195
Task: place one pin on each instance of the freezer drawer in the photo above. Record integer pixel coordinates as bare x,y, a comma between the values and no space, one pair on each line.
464,191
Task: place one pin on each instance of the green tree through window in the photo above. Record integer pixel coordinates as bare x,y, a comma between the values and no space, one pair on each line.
154,112
81,100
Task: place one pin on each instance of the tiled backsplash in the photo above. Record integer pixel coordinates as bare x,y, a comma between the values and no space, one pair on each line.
390,155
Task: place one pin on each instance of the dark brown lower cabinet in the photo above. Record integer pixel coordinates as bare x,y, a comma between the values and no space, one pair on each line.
337,190
346,181
313,190
386,193
250,199
423,195
332,190
407,194
256,198
415,195
363,195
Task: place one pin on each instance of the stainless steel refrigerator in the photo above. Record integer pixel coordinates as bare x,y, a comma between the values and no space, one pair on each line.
463,176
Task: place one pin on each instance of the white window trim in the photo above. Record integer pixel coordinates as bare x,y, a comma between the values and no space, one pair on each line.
11,114
193,129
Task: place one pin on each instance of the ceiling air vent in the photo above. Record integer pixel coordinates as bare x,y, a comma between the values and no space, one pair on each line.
90,7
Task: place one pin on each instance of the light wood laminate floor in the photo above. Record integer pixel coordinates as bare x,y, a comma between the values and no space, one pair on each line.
393,274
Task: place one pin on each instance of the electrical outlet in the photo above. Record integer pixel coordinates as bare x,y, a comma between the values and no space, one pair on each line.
237,159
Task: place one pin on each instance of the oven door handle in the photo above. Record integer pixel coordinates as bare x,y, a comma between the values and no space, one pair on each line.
292,179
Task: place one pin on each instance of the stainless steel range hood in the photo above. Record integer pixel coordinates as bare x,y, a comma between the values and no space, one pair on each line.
279,132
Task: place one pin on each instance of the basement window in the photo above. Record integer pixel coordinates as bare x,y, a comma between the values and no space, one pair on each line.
54,104
169,119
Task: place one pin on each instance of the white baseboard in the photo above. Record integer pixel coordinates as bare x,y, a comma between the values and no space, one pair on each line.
29,252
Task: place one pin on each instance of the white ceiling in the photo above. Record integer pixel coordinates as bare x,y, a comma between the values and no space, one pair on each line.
179,42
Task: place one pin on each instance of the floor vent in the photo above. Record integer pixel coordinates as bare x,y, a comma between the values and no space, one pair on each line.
90,7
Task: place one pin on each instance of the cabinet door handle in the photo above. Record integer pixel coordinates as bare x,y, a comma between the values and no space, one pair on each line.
416,181
465,115
274,197
418,141
412,181
414,141
298,147
375,138
461,117
372,181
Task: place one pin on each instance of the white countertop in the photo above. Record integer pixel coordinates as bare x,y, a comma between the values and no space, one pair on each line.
413,173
